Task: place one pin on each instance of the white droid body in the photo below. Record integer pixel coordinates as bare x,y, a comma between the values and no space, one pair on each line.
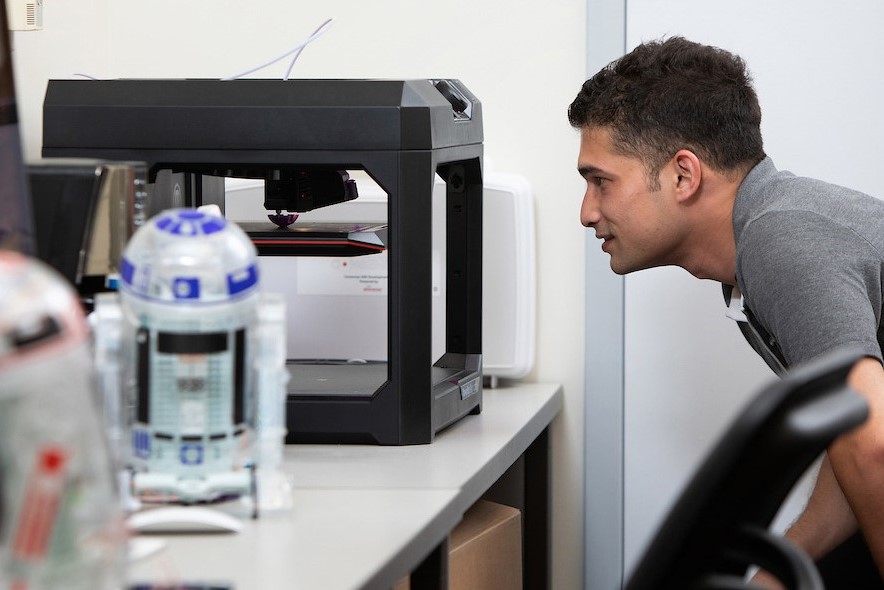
201,362
60,517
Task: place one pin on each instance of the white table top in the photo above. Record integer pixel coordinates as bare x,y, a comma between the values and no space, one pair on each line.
363,516
332,539
470,455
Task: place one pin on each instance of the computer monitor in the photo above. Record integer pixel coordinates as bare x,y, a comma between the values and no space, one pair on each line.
66,196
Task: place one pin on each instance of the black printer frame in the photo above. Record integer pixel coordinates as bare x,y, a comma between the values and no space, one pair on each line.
401,146
410,408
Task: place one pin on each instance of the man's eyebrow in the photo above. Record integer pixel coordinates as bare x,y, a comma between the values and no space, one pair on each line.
588,170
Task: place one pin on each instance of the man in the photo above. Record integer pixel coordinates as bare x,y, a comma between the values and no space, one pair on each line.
676,174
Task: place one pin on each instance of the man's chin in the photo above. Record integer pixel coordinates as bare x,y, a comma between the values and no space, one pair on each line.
616,266
622,269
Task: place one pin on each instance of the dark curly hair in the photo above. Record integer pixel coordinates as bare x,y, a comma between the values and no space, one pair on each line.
674,94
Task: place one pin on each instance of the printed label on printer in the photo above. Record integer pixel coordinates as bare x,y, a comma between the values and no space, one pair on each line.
469,388
355,275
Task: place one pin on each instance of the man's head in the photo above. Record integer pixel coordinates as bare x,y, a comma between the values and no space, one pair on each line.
675,94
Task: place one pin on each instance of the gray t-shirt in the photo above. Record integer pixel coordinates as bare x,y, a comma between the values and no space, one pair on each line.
810,257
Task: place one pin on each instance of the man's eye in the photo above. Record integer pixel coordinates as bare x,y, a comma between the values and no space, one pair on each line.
598,180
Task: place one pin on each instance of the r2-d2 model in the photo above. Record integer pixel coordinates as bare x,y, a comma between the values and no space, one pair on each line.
197,355
61,525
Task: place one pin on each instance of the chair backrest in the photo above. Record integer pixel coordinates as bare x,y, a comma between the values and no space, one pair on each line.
718,526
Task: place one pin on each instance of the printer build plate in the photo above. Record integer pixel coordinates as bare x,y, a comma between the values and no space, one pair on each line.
316,239
321,378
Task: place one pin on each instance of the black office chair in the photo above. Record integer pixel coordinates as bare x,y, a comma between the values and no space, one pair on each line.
718,527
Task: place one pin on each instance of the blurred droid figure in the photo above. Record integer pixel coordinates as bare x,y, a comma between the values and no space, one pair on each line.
195,356
60,517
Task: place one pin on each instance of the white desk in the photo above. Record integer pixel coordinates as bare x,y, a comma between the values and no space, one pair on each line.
332,539
364,516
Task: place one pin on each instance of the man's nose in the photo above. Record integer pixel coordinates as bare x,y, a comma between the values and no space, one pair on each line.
589,210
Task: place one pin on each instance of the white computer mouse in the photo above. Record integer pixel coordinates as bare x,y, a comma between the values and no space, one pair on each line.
183,519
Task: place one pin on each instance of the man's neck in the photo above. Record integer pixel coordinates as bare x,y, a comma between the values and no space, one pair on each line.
710,251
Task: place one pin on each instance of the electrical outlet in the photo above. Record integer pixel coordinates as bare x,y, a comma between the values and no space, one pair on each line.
25,15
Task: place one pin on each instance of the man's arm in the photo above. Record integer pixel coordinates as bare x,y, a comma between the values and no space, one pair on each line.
827,520
851,477
857,459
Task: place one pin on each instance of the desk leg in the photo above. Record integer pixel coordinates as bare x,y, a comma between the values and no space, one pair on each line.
432,573
536,515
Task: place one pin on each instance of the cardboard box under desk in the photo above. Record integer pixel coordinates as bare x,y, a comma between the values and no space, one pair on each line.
485,550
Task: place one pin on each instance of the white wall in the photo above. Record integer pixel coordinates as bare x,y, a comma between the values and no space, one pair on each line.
817,67
524,60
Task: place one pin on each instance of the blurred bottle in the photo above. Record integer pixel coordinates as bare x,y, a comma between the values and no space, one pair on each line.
60,516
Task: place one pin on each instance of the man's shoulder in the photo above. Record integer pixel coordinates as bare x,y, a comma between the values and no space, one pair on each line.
787,229
788,247
803,216
795,199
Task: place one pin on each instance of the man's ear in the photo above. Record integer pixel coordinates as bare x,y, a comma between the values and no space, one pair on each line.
687,174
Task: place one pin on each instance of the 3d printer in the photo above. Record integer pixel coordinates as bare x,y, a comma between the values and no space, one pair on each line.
302,137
